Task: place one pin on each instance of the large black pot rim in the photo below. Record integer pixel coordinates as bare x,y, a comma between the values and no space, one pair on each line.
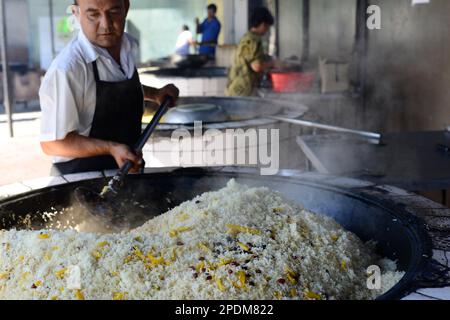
417,229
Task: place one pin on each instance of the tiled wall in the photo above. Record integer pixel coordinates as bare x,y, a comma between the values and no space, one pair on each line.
189,87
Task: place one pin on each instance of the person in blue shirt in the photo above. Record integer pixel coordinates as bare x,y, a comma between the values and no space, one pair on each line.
210,30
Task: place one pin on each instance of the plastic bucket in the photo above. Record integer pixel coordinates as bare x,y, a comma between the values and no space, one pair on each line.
290,82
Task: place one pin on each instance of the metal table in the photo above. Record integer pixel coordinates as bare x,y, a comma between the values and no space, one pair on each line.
412,161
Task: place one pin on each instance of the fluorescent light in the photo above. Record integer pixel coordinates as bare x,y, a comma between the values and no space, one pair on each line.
414,2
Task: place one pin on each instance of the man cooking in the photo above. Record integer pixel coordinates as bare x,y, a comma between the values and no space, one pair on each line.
91,97
249,63
184,42
210,30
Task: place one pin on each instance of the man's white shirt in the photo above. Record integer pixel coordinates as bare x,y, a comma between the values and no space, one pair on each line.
183,44
68,91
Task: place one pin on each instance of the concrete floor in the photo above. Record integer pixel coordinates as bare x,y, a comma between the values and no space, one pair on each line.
21,157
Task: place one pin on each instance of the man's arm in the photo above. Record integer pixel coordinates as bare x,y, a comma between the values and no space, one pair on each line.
77,146
192,41
199,26
256,58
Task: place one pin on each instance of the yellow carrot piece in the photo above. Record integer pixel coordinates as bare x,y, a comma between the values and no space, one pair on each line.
241,229
220,285
79,295
244,247
60,274
119,296
312,295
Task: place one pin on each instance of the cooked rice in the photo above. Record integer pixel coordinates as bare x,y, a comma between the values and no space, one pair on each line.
236,243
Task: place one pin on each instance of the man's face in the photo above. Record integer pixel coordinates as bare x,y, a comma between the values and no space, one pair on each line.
102,21
263,29
211,13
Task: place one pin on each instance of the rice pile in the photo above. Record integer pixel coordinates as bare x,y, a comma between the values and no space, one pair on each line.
236,243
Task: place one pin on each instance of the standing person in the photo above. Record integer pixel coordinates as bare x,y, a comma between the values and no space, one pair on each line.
210,30
184,42
249,64
91,98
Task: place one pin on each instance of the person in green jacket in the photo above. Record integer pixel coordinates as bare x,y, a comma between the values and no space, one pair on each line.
249,63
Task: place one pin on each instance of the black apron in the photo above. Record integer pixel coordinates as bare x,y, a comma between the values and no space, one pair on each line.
118,118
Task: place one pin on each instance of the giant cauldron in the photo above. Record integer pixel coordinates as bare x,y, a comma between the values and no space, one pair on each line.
371,212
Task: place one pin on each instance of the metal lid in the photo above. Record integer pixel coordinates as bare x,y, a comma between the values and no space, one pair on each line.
189,113
225,112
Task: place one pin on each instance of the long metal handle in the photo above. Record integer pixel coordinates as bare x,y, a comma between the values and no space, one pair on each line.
366,134
153,124
146,134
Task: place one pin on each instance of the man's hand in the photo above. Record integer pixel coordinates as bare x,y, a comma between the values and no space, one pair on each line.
158,95
262,66
122,153
169,90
